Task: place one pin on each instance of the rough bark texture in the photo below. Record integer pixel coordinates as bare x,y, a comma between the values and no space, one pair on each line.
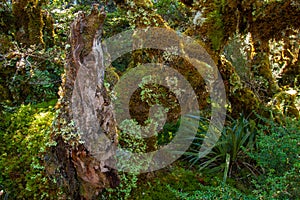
82,169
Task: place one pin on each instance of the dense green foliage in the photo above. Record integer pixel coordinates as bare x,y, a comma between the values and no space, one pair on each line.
36,78
257,52
24,135
220,191
278,156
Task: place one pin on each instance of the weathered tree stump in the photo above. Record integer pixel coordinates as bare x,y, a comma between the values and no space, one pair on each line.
79,161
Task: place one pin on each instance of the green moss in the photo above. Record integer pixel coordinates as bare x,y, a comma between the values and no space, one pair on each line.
35,24
179,183
219,191
216,18
244,100
111,77
24,136
216,32
285,102
21,24
48,30
5,43
30,23
94,22
157,188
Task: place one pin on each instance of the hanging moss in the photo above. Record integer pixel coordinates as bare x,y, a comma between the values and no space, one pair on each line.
241,98
284,14
5,43
48,29
216,31
111,77
261,68
284,101
35,24
21,22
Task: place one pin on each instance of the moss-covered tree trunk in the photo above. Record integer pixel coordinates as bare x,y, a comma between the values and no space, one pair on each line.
33,25
264,21
81,167
142,14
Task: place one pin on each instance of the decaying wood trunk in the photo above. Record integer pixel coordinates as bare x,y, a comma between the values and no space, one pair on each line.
79,162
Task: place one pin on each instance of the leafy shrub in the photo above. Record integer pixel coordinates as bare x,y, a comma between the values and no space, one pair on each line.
270,186
219,191
278,154
23,138
278,145
115,23
31,74
64,16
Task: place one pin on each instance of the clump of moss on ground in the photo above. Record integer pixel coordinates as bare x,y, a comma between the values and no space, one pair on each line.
23,137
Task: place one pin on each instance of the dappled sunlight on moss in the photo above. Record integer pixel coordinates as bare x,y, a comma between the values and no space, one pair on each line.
24,137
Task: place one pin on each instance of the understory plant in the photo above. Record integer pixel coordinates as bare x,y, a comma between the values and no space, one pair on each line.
177,182
227,155
131,144
219,191
278,156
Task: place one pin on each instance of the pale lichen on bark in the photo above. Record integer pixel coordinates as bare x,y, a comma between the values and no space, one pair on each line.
83,163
